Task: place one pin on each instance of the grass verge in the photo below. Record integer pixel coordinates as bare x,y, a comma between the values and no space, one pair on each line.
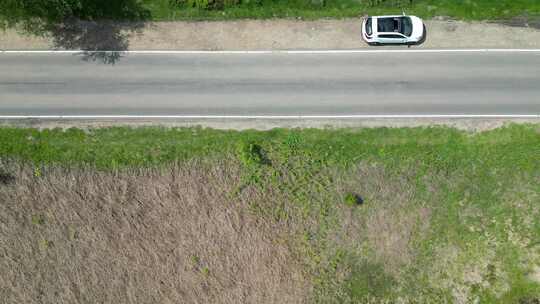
417,215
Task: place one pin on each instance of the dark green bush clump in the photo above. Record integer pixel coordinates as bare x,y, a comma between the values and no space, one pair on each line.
206,4
352,199
250,154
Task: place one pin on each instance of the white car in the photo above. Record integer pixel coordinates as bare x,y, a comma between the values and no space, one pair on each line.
399,29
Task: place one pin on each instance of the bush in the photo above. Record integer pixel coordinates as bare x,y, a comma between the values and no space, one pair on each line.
391,3
352,200
223,4
250,154
206,4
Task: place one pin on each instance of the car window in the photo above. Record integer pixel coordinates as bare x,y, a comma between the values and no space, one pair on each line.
386,25
389,36
406,26
401,25
369,29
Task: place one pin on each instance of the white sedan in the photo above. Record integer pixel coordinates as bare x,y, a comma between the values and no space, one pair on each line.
400,29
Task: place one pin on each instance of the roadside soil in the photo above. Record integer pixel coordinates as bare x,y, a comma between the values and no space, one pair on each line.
295,34
470,125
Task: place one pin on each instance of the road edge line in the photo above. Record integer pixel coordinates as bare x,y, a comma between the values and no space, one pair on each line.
266,52
276,117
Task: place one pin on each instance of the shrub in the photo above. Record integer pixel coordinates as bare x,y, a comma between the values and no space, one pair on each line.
352,199
38,220
250,154
206,4
391,3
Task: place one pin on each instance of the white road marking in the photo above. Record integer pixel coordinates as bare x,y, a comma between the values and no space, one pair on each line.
276,117
263,52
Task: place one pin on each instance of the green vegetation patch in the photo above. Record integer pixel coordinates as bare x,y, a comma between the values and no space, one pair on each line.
314,9
42,16
380,215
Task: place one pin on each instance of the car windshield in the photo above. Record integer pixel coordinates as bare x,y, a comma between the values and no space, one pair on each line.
406,26
401,25
369,29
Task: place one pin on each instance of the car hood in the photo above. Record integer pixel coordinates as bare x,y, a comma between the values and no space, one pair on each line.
418,27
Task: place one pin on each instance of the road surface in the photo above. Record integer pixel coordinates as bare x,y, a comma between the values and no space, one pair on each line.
402,83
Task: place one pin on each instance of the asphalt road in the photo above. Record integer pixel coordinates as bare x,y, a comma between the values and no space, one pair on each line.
272,84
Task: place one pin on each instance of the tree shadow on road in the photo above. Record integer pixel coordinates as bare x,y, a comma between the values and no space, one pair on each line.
100,29
101,41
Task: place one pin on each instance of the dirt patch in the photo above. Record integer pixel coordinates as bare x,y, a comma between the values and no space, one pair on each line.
523,21
391,231
6,179
144,236
296,34
474,125
535,275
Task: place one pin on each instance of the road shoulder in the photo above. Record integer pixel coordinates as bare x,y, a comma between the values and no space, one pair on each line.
293,34
471,125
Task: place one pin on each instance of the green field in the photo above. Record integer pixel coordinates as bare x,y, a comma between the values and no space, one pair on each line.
417,215
310,9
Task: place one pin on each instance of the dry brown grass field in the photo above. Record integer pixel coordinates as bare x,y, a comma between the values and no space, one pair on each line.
153,236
